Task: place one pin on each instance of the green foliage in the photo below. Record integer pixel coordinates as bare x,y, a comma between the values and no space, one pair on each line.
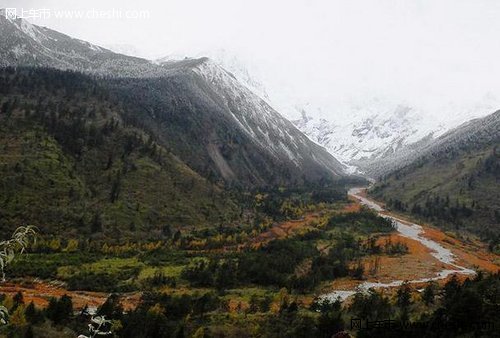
467,309
397,248
458,191
462,309
33,315
20,240
429,294
277,264
70,162
290,203
371,306
330,321
80,155
403,300
111,308
364,222
46,266
59,310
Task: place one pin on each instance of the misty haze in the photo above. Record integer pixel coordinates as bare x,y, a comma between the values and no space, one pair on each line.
249,169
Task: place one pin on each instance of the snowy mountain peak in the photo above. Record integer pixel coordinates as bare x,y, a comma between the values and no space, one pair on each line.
212,71
239,131
365,134
26,44
358,130
264,125
23,26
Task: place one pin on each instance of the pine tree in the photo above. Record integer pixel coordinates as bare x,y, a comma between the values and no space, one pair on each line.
18,299
59,310
18,319
96,225
403,300
429,294
29,332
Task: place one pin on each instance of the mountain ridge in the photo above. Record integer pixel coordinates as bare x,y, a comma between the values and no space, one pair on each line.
465,135
71,162
214,106
452,181
362,132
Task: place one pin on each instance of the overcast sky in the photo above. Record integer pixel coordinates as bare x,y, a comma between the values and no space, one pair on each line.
427,53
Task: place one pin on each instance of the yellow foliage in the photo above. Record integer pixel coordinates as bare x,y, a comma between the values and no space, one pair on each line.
72,246
116,325
105,248
55,244
18,319
156,309
259,198
8,302
200,333
282,299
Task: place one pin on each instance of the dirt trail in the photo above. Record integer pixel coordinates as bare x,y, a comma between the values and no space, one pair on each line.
282,230
40,293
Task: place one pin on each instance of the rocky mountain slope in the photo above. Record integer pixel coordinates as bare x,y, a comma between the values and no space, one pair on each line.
472,134
264,135
71,162
452,180
194,108
26,44
364,136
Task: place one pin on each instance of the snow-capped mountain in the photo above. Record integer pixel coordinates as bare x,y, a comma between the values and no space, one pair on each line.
467,137
253,115
367,135
373,132
125,49
230,63
372,129
357,133
26,44
360,133
369,130
215,124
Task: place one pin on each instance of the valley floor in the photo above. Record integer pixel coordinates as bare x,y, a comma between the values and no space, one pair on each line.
417,263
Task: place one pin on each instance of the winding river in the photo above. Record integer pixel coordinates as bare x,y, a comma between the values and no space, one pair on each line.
406,229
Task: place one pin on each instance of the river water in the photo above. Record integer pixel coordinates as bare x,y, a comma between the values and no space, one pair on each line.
406,229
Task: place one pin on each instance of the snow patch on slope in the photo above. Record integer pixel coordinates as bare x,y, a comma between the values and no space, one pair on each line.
378,129
253,107
365,134
259,120
359,129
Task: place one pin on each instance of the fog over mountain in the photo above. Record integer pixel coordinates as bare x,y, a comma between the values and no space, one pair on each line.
235,168
362,79
330,55
362,130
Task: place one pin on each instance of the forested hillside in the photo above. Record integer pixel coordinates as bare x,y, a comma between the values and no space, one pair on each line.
195,108
454,182
221,129
69,160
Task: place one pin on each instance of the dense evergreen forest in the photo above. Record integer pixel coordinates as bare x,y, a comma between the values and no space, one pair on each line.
453,310
458,192
69,161
75,158
126,211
